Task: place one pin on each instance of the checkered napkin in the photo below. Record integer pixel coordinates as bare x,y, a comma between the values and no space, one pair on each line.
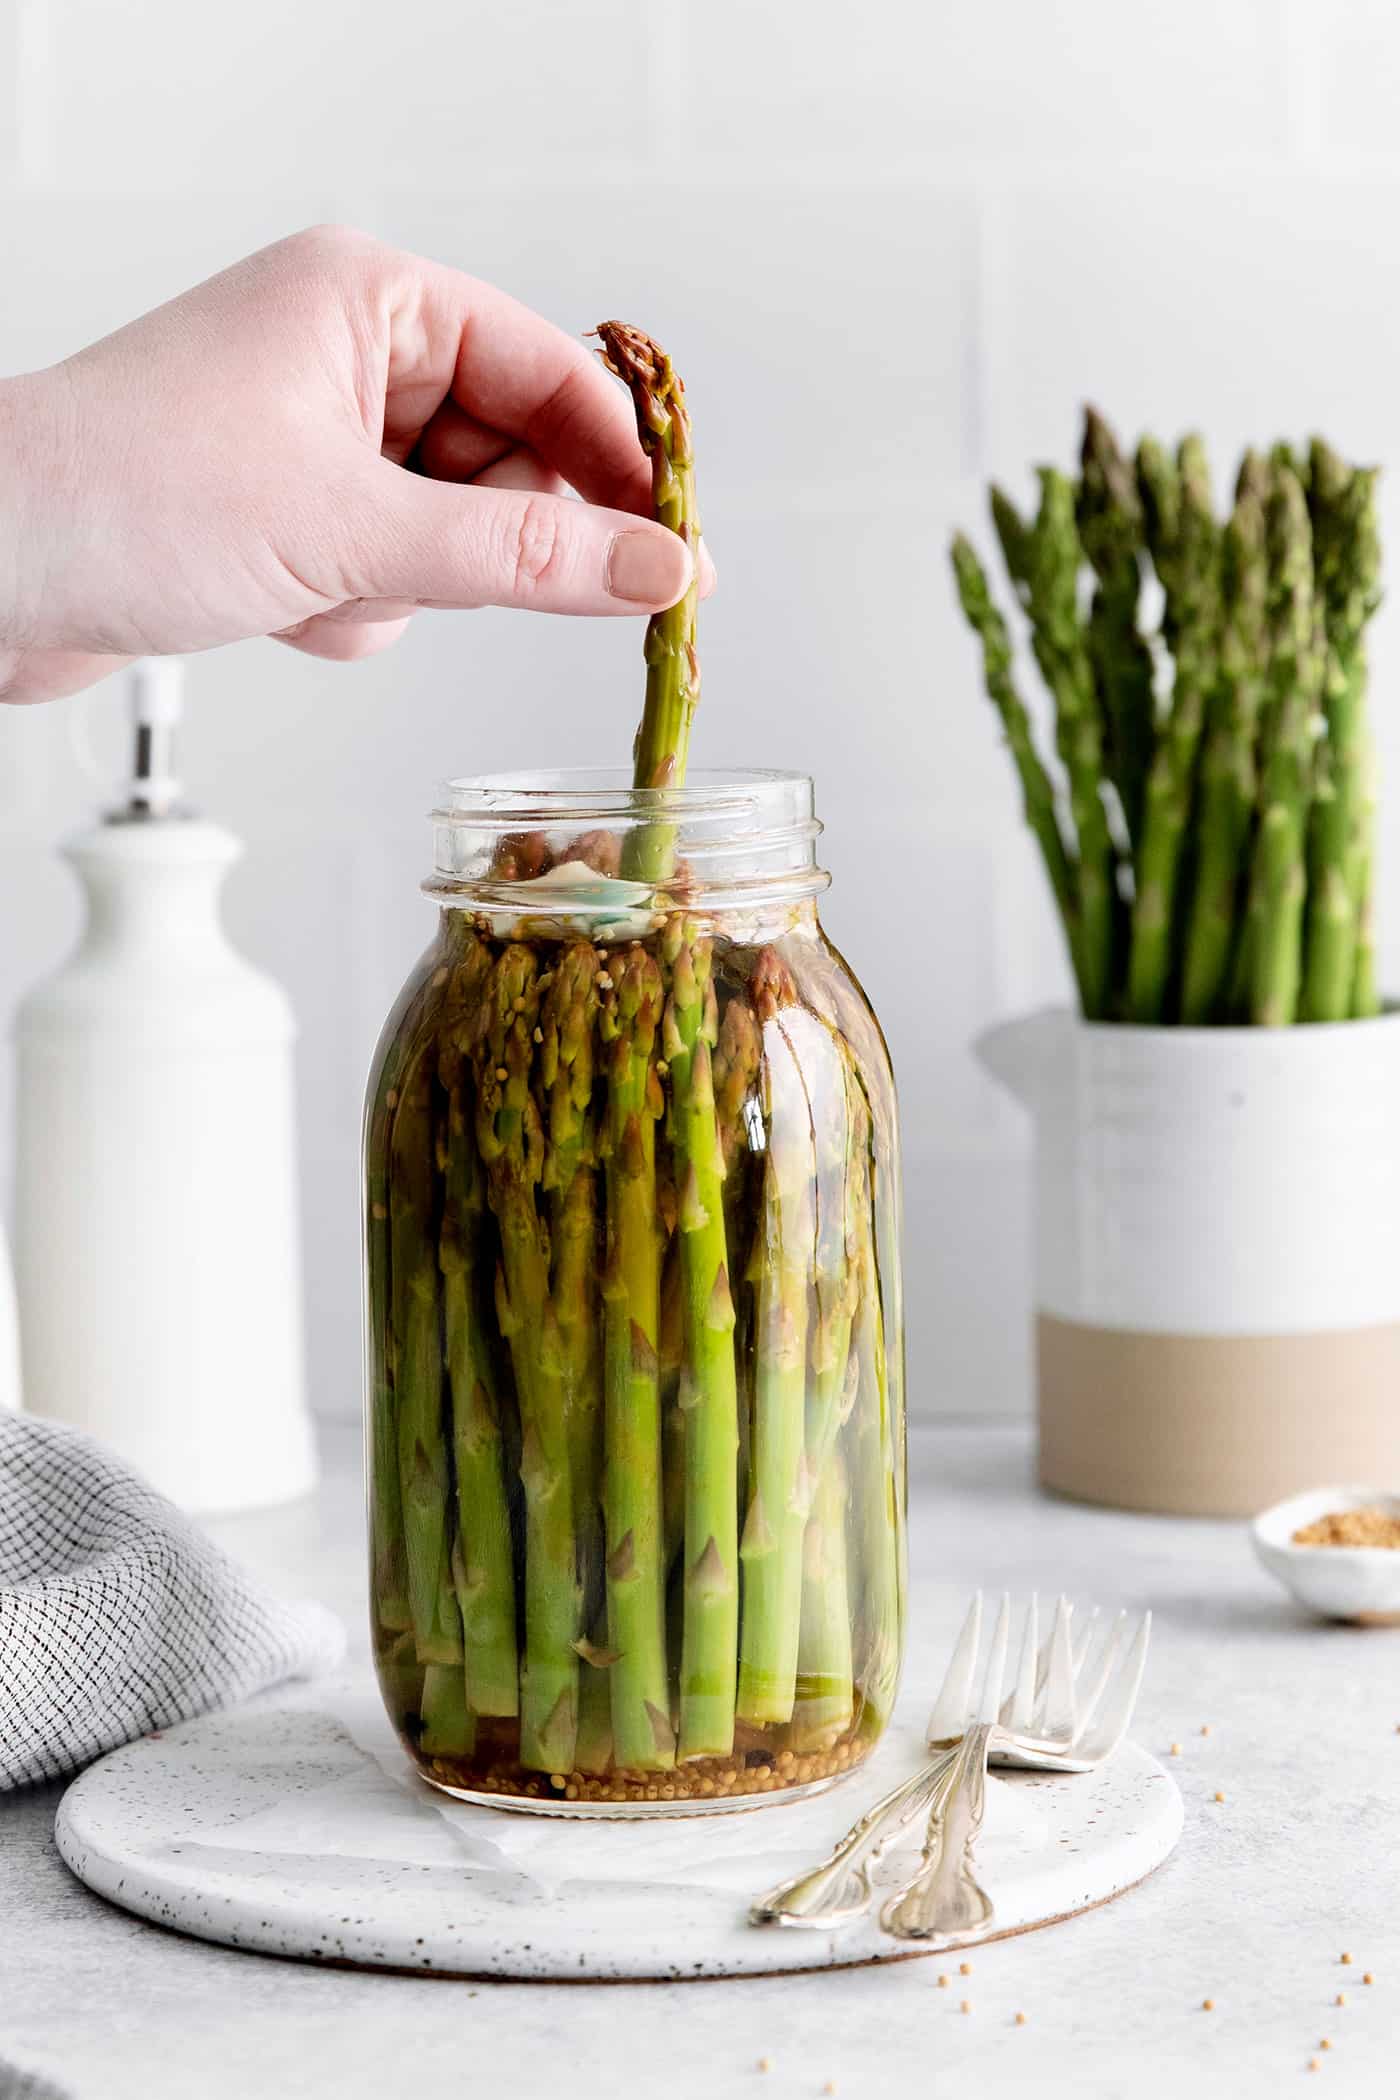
117,1615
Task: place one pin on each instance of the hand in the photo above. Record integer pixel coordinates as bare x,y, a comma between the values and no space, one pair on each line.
236,464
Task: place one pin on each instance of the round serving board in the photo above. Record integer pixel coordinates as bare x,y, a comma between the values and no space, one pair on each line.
297,1826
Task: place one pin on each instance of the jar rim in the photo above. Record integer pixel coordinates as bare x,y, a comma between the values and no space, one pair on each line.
736,833
560,792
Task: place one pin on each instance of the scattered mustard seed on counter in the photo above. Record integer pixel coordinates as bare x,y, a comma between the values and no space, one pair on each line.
1351,1527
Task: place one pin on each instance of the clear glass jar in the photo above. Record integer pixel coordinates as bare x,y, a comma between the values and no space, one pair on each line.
635,1360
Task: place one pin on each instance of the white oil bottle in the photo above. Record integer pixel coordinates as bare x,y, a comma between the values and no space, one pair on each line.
156,1232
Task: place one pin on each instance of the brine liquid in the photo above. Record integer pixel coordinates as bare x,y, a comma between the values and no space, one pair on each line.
636,1421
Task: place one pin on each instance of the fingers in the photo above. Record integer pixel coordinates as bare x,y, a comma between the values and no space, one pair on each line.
454,448
408,537
341,638
509,371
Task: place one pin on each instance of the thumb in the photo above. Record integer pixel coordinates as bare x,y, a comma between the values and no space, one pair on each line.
450,544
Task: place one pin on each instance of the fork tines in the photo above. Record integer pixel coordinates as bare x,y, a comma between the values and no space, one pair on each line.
1080,1678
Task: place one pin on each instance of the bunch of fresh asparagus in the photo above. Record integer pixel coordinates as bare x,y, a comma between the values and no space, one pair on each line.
1211,842
636,1455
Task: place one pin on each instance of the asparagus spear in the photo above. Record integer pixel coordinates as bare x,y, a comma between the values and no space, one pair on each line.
673,668
399,1044
1297,669
670,1355
1109,516
567,1056
643,1737
1037,793
1229,775
824,1665
483,1563
771,1547
424,1483
1346,556
709,1393
825,1668
737,1060
877,1465
1185,544
1043,561
567,1069
511,1144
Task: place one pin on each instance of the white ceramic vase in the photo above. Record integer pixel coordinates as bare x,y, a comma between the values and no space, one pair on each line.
1217,1256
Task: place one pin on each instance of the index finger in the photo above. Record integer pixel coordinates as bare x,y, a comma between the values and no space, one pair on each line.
511,370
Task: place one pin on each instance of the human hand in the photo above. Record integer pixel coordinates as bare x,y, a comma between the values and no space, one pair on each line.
233,464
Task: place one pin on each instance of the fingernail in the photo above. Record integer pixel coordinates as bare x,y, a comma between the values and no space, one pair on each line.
706,571
648,568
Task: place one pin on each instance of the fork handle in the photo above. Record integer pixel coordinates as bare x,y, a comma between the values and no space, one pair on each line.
944,1902
838,1890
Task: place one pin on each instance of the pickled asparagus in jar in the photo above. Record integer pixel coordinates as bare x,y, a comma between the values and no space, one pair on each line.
635,1410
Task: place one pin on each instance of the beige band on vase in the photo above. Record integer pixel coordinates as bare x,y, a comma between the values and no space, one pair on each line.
1214,1425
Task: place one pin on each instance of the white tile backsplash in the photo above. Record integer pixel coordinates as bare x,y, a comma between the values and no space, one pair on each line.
893,251
263,95
1004,82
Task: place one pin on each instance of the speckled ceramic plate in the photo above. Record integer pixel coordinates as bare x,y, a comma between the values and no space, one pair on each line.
296,1826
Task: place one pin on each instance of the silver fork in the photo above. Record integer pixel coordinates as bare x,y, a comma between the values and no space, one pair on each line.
1065,1714
943,1901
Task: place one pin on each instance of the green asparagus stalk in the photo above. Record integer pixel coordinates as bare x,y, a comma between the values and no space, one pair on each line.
449,1728
1229,773
1185,545
643,1737
593,1750
771,1547
1037,793
877,1479
399,1044
483,1564
1109,516
1297,671
673,668
511,1143
825,1691
1043,559
1347,560
401,1678
709,1388
737,1061
566,1064
424,1483
825,1669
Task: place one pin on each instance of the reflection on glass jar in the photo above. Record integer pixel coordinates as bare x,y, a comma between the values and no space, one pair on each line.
636,1423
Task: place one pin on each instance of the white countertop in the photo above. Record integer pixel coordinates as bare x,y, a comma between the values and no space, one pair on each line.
1266,1890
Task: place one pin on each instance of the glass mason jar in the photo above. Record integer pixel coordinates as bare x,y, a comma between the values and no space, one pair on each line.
635,1360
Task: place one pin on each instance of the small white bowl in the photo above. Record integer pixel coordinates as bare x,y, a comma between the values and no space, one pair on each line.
1360,1583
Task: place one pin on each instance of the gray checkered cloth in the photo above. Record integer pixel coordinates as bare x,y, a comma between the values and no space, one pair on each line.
117,1614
